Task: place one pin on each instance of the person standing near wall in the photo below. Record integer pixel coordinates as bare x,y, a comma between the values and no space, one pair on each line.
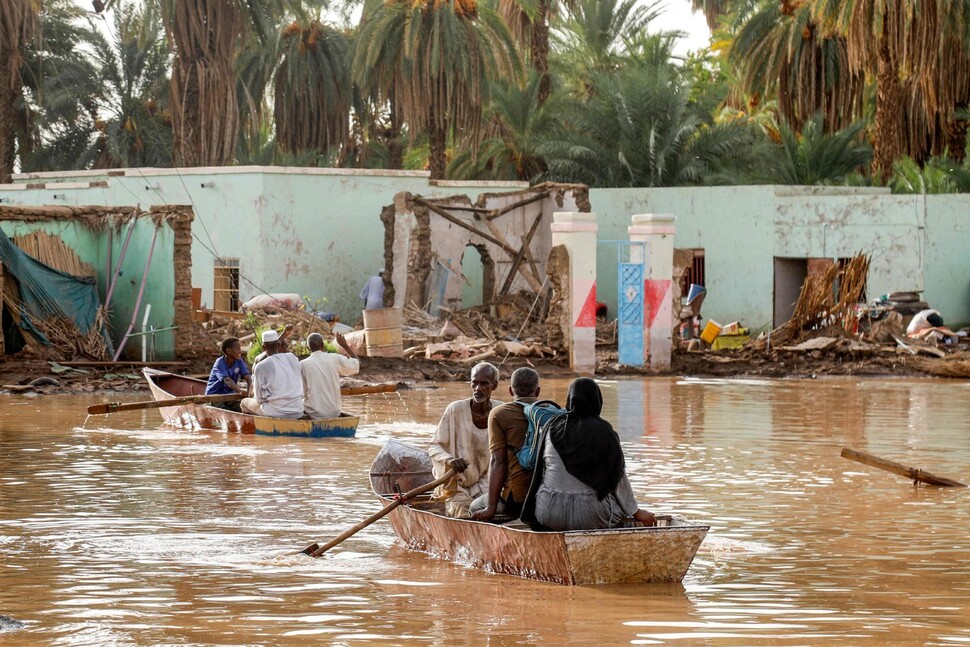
373,292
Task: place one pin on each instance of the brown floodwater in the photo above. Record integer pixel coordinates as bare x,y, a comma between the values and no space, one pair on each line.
115,530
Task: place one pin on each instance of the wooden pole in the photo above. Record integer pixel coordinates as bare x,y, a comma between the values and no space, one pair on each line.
112,407
914,473
313,550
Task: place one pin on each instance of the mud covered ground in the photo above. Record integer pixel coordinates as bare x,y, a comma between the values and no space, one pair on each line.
36,376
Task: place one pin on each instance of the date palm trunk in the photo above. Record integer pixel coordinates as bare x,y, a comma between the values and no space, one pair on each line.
205,115
17,19
540,50
437,143
889,99
8,119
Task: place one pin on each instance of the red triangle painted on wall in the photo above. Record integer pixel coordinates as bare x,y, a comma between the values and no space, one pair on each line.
654,293
587,316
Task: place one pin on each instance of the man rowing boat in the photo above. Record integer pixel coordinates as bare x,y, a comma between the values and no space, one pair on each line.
461,442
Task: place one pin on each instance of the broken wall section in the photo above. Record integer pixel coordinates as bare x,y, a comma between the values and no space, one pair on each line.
110,246
425,241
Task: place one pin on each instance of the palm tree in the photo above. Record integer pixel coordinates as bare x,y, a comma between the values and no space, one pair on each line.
528,20
898,40
713,10
813,156
517,125
205,37
780,52
61,92
312,88
638,128
137,130
435,59
18,21
594,38
937,175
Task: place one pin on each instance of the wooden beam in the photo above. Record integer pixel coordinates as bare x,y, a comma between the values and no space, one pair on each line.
536,285
914,473
528,276
518,257
517,205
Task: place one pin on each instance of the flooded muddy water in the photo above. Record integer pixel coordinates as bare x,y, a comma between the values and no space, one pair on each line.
115,530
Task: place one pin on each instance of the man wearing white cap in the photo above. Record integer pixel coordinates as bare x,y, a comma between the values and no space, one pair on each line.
277,383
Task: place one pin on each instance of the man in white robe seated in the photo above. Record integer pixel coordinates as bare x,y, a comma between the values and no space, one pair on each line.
461,442
321,376
277,383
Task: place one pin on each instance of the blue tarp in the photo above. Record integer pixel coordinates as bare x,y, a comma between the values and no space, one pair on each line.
46,292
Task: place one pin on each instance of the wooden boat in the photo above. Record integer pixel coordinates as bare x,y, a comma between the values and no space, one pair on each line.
165,386
620,555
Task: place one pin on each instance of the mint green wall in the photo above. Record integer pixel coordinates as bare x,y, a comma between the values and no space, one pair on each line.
946,253
314,232
736,246
317,232
159,286
91,247
915,242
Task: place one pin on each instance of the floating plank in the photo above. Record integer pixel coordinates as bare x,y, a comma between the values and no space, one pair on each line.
914,473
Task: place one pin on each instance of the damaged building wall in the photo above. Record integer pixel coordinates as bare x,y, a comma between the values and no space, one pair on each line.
916,243
318,232
97,235
508,235
310,231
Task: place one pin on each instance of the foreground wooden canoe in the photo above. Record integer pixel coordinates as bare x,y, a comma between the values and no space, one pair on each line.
623,555
165,386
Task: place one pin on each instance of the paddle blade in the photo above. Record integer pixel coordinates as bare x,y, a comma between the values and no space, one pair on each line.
312,548
96,409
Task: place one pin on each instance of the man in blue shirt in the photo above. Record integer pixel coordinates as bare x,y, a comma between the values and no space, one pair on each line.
373,292
227,372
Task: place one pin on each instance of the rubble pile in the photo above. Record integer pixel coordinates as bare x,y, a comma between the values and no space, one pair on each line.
222,325
510,327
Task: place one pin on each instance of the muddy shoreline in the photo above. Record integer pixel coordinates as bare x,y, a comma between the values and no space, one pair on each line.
35,376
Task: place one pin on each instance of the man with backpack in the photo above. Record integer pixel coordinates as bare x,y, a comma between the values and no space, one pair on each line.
508,480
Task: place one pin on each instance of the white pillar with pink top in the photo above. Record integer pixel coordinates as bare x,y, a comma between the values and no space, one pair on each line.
577,233
656,232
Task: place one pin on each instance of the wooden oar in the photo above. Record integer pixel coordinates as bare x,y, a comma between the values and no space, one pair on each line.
111,407
370,388
914,473
315,550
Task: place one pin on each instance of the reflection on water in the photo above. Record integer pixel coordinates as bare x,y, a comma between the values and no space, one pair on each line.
115,530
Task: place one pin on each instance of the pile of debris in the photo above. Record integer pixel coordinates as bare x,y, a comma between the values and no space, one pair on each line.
825,327
506,328
219,325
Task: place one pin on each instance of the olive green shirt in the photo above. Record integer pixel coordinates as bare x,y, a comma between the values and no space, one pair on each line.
507,425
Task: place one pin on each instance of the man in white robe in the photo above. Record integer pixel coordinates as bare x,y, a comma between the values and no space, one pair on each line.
461,442
321,376
277,383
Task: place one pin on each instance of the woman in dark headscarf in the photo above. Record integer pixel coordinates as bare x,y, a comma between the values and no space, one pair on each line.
580,481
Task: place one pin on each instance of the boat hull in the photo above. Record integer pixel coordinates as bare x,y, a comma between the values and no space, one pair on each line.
194,417
622,555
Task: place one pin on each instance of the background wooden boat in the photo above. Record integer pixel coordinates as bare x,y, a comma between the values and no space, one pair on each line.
165,386
623,555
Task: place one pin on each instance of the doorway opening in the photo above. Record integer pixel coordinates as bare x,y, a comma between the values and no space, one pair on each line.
478,270
789,277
